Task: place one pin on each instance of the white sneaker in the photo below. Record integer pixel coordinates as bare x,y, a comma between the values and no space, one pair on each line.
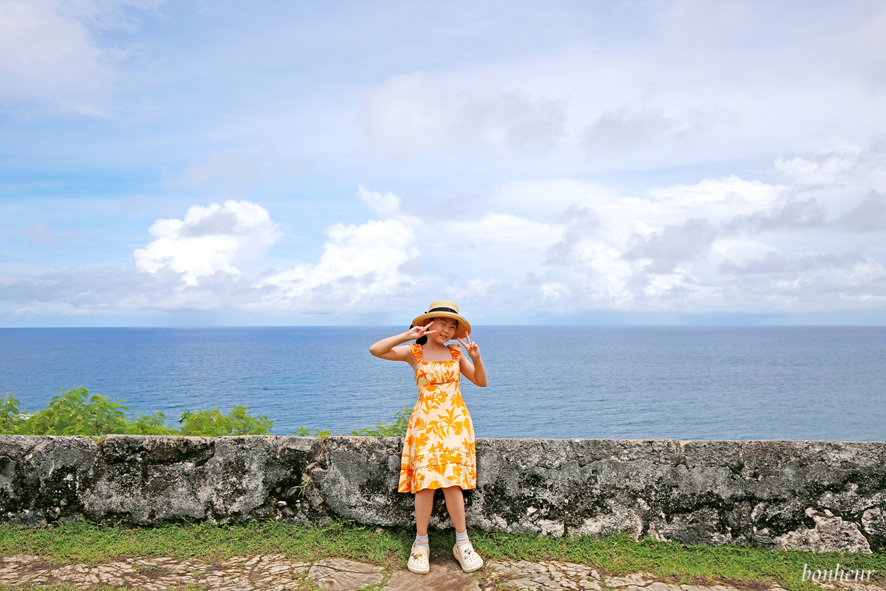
467,558
418,560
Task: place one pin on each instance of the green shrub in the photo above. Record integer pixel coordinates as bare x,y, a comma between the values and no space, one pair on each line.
10,416
154,424
212,423
303,432
77,413
395,429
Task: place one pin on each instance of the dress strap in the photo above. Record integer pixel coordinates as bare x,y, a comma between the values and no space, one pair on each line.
456,352
416,351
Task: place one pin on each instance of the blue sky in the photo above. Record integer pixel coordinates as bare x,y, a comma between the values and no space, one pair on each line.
212,162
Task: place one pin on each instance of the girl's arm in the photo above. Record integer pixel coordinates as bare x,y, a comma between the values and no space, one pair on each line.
476,371
388,349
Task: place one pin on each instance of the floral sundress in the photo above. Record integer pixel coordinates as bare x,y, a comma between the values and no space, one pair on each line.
439,449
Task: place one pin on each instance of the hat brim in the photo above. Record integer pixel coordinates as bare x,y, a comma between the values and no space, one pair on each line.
464,327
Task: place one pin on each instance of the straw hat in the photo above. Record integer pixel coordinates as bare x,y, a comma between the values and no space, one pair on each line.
445,309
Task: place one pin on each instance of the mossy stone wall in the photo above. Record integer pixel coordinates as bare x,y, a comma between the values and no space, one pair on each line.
793,494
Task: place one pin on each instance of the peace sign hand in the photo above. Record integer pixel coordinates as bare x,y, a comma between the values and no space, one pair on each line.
419,331
471,347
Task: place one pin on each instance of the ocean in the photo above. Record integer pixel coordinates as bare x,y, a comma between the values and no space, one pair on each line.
805,383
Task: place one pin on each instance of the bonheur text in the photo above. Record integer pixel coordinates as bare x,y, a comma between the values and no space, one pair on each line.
837,574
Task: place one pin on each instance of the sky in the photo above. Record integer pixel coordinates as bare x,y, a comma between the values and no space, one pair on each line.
220,162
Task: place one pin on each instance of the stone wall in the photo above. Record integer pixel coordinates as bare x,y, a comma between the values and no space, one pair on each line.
792,494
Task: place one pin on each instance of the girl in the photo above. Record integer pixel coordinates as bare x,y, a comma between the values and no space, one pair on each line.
438,450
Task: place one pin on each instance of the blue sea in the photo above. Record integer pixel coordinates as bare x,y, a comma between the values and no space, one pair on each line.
819,383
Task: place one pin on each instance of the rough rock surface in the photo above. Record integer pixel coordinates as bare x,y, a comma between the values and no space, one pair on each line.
819,495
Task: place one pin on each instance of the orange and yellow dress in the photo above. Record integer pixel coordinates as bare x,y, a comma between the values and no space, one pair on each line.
439,449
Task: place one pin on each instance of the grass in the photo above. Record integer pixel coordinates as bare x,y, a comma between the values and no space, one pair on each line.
668,561
90,543
676,562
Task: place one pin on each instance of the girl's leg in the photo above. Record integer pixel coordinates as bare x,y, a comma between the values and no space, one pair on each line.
424,504
464,551
419,556
455,504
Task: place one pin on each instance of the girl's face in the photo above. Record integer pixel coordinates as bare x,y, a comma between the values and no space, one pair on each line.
446,329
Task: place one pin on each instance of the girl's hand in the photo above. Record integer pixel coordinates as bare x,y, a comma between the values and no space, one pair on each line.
473,371
419,331
471,347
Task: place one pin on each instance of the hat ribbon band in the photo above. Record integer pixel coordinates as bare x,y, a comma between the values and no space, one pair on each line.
441,310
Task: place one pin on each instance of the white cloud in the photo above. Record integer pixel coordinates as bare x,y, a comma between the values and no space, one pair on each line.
414,114
47,57
496,245
385,204
733,193
701,82
844,185
213,239
673,244
358,264
49,52
719,245
624,131
869,215
503,229
546,199
562,246
838,167
709,24
866,48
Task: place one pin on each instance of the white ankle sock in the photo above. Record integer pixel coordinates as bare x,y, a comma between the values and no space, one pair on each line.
461,538
421,540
